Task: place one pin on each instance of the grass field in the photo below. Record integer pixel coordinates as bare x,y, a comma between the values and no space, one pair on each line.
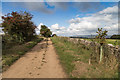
9,56
110,41
75,61
113,41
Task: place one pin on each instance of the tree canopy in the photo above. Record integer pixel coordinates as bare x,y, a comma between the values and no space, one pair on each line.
44,31
101,35
18,26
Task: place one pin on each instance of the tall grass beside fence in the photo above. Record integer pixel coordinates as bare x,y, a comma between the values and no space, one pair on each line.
82,60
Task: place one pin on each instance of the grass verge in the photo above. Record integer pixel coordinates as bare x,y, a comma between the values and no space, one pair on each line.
69,53
75,61
9,56
65,54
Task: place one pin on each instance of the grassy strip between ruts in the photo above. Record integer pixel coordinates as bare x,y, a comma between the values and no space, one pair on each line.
75,61
9,56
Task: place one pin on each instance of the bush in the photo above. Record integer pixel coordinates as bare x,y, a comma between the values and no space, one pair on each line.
18,27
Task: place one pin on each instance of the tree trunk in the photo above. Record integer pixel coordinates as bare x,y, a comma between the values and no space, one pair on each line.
101,53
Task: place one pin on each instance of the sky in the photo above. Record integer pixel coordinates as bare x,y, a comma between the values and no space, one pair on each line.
69,18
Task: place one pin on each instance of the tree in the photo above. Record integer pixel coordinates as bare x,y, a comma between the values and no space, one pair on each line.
101,39
44,31
18,26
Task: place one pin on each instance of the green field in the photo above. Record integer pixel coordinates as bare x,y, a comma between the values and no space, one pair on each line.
113,41
110,41
75,61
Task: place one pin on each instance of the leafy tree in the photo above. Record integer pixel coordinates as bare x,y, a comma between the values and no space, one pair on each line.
44,31
101,39
18,26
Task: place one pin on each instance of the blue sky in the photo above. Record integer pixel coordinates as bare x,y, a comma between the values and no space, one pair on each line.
61,16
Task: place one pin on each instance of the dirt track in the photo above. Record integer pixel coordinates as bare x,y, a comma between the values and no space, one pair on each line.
40,62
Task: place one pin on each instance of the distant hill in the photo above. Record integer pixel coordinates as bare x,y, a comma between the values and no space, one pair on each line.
87,36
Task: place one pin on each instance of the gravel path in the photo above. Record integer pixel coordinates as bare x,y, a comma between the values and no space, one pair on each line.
40,62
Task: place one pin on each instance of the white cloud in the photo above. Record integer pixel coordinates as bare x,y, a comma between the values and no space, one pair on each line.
57,30
56,27
106,19
38,28
76,20
110,10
